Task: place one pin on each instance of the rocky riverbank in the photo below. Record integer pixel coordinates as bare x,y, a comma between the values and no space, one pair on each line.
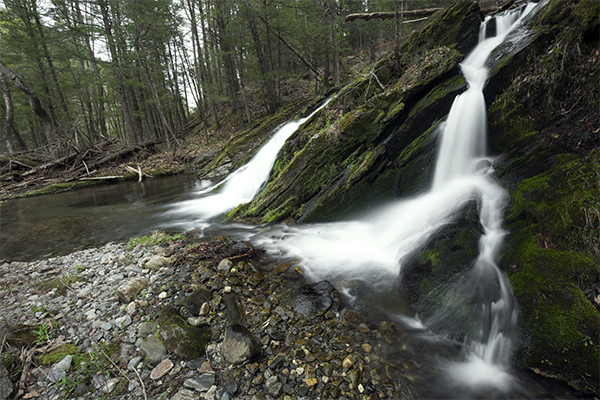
190,320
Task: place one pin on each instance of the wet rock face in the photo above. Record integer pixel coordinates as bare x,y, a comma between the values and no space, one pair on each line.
239,345
317,297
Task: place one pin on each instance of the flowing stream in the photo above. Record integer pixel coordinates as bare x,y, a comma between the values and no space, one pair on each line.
239,187
375,248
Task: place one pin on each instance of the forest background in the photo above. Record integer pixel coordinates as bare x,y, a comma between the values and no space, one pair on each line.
77,73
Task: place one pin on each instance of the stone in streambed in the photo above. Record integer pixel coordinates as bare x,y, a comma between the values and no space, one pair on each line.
6,386
201,383
239,345
130,289
183,339
161,369
153,349
157,262
186,394
313,298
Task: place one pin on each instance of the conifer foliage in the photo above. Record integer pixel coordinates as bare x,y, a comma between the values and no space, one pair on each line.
76,73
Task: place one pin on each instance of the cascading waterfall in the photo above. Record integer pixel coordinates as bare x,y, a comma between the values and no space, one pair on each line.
372,248
240,186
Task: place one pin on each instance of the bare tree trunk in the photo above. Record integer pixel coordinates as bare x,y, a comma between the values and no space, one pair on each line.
335,45
119,76
223,21
263,63
8,117
34,102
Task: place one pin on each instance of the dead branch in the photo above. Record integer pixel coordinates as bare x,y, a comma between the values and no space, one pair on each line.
426,12
117,155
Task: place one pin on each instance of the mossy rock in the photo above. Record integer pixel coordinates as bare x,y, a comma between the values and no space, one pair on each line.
186,341
62,351
551,258
61,284
560,327
240,148
19,335
455,26
340,162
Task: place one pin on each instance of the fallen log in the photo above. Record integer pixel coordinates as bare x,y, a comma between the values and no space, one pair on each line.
100,178
50,164
425,12
116,155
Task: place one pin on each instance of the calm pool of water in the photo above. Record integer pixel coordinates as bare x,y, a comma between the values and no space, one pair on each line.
50,225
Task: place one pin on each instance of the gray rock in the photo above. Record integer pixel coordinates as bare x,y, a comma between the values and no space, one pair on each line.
59,370
130,289
122,322
157,262
224,266
239,345
153,349
313,298
6,386
146,329
273,386
185,394
201,383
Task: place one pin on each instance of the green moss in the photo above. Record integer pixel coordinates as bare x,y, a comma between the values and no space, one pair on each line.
62,187
560,324
61,284
457,25
156,238
563,202
186,341
62,351
508,122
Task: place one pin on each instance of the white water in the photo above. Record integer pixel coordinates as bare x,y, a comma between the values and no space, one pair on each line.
374,248
240,186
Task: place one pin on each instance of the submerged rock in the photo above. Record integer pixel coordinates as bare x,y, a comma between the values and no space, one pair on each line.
314,298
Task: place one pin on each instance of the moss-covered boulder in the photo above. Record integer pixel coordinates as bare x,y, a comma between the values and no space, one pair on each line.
186,341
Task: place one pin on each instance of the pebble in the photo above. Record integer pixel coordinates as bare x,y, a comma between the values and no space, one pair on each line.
161,369
118,303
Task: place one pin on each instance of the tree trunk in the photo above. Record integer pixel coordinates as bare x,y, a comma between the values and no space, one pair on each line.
9,115
118,72
34,102
426,12
223,21
263,64
336,50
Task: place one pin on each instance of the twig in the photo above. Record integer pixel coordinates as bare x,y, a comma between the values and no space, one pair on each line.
377,79
123,373
86,167
25,373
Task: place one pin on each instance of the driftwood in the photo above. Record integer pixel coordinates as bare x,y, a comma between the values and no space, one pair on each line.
100,178
115,156
426,12
50,164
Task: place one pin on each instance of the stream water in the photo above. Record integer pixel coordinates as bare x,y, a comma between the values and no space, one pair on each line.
362,258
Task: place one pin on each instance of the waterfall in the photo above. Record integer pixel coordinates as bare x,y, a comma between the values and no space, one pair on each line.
373,248
240,186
